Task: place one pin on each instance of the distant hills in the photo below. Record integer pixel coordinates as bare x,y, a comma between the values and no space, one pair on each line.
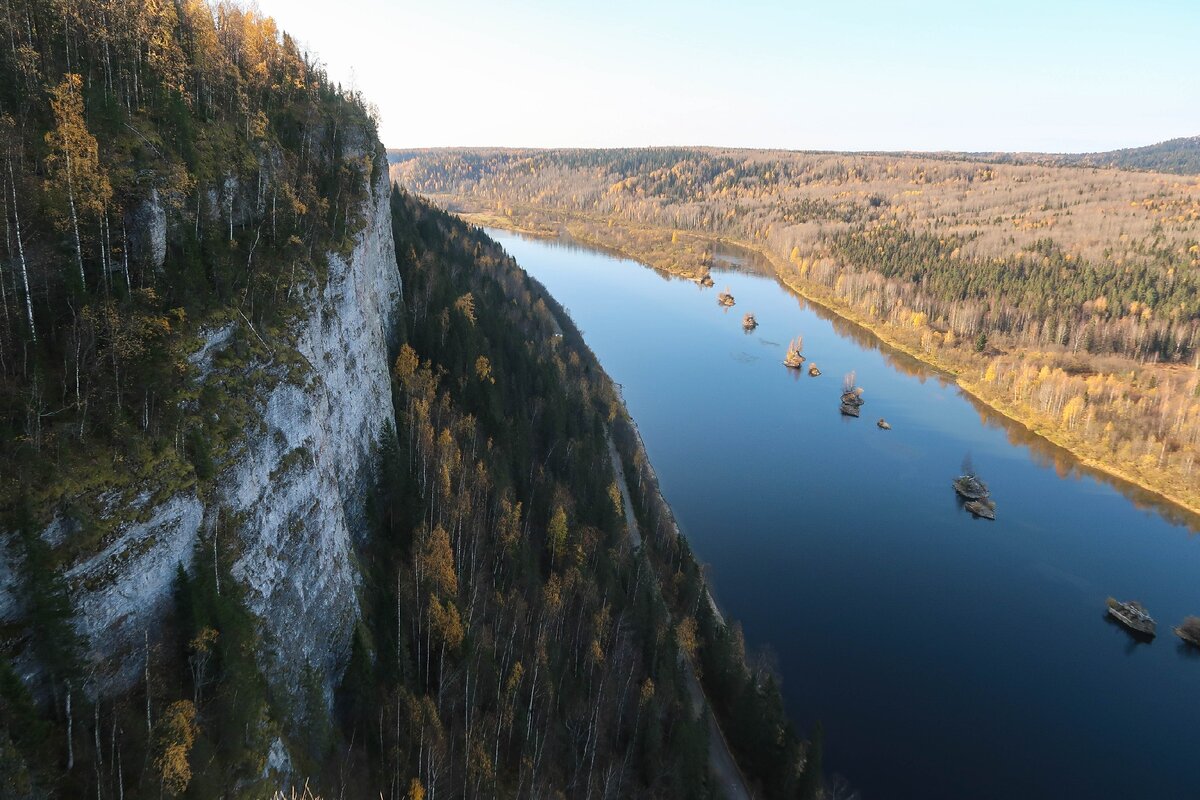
1178,156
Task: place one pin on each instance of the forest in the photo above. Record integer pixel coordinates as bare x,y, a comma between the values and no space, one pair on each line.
1179,156
170,168
546,649
114,118
1064,296
514,642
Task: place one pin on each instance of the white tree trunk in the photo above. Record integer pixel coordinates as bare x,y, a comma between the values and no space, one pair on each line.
12,182
75,220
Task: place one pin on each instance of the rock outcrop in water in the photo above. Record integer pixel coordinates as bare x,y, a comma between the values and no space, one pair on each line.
794,359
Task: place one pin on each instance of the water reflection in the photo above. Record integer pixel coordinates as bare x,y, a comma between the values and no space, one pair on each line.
1043,451
926,641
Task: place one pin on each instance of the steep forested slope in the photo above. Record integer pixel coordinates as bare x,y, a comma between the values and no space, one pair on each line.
192,212
161,163
517,641
267,518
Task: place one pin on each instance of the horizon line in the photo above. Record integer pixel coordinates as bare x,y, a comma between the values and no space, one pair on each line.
812,150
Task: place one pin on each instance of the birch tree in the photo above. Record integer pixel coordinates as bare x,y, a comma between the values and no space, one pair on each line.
74,161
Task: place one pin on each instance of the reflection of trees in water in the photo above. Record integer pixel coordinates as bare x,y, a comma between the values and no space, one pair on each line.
1043,452
1047,454
562,240
729,257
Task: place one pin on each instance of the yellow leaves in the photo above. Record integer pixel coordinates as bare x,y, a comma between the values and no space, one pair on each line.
646,693
259,126
483,369
465,305
415,791
479,766
177,733
74,158
556,533
919,319
514,681
614,495
1072,410
435,561
125,334
509,526
203,641
552,593
406,364
687,635
446,623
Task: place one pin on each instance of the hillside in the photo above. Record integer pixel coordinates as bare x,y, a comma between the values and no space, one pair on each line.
1180,156
304,481
1067,298
1177,156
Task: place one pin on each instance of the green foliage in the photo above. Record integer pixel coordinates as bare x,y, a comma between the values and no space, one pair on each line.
24,736
200,453
234,709
497,590
48,610
1181,156
114,119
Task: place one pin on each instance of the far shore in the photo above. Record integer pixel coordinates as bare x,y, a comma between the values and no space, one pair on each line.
552,229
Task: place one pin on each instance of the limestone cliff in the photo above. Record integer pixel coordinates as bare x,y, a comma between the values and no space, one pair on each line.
289,495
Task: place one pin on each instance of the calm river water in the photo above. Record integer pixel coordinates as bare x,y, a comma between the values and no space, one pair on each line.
946,657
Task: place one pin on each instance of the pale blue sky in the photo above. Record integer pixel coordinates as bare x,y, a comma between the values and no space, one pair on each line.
1013,75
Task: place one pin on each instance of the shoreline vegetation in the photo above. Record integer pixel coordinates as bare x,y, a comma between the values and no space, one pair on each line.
686,254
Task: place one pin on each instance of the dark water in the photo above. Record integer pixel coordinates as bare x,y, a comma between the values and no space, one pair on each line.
947,657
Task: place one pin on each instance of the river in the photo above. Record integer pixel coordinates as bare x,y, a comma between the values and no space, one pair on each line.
946,657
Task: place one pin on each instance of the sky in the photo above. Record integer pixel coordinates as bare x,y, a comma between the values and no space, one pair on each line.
973,75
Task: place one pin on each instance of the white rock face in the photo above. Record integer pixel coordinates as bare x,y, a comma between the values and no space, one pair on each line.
137,572
147,232
296,486
300,526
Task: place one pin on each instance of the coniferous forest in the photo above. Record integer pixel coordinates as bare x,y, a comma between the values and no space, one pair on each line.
171,169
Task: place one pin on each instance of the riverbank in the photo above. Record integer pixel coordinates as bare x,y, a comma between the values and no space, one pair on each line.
766,480
686,255
746,762
721,762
